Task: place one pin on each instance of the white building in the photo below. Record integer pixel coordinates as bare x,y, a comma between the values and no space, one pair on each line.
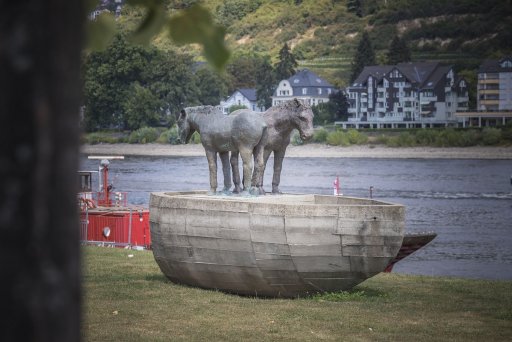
242,97
306,86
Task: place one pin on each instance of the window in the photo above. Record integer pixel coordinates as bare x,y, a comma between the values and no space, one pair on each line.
319,91
506,64
304,91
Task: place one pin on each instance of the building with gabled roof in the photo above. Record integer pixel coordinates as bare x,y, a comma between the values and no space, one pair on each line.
423,94
305,86
242,97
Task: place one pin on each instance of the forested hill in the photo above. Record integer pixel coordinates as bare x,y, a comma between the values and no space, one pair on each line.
323,34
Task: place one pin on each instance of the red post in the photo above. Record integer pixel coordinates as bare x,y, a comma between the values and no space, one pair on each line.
105,186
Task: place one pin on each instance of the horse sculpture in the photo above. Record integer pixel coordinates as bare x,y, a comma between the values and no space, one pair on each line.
281,120
244,134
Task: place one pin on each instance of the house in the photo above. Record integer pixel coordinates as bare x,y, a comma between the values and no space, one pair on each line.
306,86
494,95
109,6
242,97
423,94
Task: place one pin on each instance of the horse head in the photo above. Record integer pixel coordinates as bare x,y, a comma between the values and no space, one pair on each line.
185,131
303,119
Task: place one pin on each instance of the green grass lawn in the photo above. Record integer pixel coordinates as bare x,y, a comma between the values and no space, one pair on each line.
127,298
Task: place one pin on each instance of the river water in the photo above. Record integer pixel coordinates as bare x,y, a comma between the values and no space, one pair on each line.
468,203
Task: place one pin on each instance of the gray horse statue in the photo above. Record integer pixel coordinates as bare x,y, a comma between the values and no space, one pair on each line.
281,120
245,134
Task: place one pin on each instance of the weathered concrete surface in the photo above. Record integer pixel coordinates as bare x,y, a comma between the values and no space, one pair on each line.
278,246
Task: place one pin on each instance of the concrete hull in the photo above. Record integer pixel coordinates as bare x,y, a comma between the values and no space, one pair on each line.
277,246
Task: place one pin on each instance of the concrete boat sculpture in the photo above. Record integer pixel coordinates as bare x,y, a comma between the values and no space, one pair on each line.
276,246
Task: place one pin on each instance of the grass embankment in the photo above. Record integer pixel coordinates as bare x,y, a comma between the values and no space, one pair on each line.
128,299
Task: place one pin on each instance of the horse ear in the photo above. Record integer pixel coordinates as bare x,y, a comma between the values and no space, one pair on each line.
183,115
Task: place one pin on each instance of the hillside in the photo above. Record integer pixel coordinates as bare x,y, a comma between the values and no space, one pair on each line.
323,34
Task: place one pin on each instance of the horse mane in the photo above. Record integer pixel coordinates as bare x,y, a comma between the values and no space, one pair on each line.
204,110
290,105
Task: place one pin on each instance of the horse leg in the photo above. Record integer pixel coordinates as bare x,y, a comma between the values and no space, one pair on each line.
259,168
278,166
266,155
224,158
236,172
246,155
212,166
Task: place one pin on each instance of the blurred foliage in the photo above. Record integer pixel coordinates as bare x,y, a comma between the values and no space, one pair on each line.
191,25
196,138
320,135
295,139
169,136
443,137
236,107
144,135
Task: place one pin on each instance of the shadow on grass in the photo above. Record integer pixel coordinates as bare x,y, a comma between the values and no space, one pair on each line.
359,293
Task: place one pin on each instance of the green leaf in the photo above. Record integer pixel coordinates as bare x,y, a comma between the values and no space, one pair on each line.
214,49
195,25
100,31
152,24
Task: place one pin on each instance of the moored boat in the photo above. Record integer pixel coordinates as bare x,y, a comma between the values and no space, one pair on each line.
106,218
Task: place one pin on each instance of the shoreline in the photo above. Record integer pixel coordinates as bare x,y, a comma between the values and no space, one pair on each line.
312,151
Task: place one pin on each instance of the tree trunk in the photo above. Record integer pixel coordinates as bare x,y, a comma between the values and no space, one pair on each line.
40,47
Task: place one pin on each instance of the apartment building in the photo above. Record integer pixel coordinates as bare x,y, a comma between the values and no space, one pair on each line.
423,94
494,87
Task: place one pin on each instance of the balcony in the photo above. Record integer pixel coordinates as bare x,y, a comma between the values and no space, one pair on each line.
489,91
489,81
489,102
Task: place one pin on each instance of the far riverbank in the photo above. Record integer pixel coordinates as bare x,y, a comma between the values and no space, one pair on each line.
312,151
